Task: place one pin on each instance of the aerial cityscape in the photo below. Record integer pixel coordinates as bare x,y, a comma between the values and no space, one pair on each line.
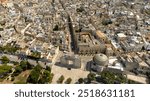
74,41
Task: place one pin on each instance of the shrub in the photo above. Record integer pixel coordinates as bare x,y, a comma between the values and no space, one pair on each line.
45,78
17,71
61,79
80,81
34,75
68,81
4,60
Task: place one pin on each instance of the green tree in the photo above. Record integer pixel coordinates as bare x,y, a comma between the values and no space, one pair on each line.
61,79
4,60
80,80
38,68
36,54
91,76
34,75
111,77
51,77
17,71
15,63
68,81
10,49
45,78
48,68
20,82
4,69
23,65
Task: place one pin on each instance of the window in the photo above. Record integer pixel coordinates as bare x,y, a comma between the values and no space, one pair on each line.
70,62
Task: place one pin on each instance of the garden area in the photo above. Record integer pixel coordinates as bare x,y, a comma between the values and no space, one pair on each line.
4,71
39,75
9,48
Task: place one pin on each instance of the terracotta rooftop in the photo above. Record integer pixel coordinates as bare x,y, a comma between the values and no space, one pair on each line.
2,1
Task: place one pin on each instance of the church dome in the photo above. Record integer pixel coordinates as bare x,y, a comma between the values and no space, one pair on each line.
100,59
